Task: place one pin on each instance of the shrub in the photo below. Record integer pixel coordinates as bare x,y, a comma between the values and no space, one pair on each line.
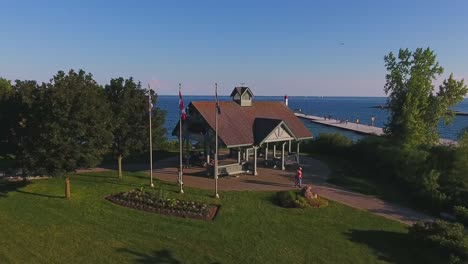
429,191
287,199
447,237
333,144
461,213
301,202
318,202
292,199
460,164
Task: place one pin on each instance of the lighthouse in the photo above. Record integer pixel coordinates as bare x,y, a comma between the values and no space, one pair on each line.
286,99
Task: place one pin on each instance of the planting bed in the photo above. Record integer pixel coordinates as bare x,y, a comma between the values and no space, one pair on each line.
150,202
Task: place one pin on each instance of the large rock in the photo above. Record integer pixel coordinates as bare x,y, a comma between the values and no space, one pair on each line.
307,192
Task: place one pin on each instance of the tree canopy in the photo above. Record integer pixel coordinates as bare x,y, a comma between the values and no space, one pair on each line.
71,122
68,125
415,107
129,104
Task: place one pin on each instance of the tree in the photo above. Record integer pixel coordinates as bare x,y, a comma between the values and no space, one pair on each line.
129,105
6,94
72,125
158,119
415,110
24,110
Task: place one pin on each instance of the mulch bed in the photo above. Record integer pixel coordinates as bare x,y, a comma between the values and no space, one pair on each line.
209,216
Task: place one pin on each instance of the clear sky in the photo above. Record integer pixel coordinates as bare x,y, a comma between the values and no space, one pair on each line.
275,47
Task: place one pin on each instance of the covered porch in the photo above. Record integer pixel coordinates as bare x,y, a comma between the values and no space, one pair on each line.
275,147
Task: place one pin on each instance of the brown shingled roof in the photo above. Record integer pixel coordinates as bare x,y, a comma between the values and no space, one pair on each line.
236,123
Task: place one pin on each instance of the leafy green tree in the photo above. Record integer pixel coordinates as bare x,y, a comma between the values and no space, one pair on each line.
158,119
129,105
5,86
6,94
415,108
24,109
72,125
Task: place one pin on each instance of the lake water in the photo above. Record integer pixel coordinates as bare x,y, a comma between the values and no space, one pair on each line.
343,108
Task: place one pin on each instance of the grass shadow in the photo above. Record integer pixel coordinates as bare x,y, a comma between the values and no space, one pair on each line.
384,244
42,195
157,256
11,186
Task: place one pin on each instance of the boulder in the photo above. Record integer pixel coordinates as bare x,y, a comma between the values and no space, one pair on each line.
307,192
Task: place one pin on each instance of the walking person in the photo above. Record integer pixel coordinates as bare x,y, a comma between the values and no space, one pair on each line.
298,179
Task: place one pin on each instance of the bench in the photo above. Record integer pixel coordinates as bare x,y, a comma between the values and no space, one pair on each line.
231,169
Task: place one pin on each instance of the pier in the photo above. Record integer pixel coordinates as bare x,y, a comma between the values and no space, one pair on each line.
357,128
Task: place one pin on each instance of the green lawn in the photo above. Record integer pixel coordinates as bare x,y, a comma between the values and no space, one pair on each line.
38,226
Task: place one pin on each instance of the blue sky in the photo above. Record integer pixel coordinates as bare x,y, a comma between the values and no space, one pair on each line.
275,47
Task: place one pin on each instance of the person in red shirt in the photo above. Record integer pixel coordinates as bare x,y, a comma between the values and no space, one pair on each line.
298,181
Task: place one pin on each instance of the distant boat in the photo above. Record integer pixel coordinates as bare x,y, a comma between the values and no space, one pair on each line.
380,106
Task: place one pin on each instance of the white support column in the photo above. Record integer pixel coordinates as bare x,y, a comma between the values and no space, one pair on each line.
274,151
266,152
289,150
282,156
239,155
247,154
297,153
255,161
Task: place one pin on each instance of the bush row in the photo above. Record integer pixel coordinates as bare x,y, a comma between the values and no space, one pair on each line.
436,177
448,238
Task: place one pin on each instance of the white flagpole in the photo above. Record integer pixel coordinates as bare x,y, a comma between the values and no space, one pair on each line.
216,143
181,173
150,109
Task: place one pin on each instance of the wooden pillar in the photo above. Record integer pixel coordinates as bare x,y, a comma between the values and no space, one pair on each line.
67,188
297,153
205,148
255,161
282,156
274,150
239,155
247,154
187,148
289,150
266,152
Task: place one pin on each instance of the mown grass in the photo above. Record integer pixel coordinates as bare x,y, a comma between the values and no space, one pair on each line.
37,225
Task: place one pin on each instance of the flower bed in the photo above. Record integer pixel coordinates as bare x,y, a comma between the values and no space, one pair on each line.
147,201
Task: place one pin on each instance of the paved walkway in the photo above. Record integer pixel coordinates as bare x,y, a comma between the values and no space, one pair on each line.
315,174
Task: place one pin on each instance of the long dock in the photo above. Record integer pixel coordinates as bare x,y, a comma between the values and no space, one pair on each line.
358,128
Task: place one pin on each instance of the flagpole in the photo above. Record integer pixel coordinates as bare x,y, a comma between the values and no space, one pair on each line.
150,109
216,143
181,183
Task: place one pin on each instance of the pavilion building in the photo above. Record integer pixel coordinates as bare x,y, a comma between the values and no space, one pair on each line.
245,127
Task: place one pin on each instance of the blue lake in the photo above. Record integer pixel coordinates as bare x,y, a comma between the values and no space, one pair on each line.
343,108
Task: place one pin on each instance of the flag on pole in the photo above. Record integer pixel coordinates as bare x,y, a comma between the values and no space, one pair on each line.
182,106
151,106
217,102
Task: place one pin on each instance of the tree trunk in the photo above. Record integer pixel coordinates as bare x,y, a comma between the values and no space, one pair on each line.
119,159
67,188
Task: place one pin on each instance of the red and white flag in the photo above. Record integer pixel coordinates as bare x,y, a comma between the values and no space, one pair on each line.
218,109
182,106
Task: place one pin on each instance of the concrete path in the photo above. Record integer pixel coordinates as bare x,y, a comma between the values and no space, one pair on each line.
359,128
268,179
